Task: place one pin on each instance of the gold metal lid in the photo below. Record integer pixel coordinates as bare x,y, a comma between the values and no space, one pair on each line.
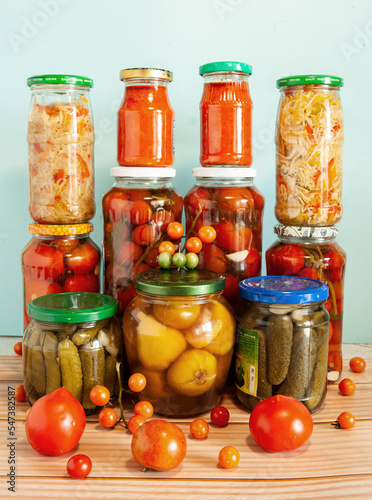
160,74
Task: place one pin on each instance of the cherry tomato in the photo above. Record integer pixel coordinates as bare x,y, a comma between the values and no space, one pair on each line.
159,445
145,234
346,386
151,258
235,198
135,422
213,258
44,262
107,417
345,420
83,259
167,246
194,244
207,234
144,408
99,395
129,253
231,238
66,245
36,288
139,212
175,230
18,348
231,290
286,260
199,428
162,218
198,200
114,205
309,272
82,283
252,263
228,457
192,260
179,259
137,382
328,305
335,360
335,275
165,260
139,269
220,416
280,423
55,423
20,393
126,296
258,199
338,287
333,260
79,466
357,364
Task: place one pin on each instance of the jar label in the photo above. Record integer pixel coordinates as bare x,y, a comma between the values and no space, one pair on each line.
246,361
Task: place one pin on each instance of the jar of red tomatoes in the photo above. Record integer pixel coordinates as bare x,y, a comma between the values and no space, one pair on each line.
226,199
60,258
309,138
146,119
312,252
60,149
226,114
136,212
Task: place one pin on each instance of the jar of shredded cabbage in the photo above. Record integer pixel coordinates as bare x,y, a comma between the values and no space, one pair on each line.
60,149
309,138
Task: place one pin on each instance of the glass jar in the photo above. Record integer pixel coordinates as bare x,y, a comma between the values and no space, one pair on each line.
74,341
136,212
59,259
309,137
180,332
282,340
226,114
227,199
146,119
312,252
61,149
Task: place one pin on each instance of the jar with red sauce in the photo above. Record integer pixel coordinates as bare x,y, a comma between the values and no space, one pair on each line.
227,199
312,252
226,114
146,119
59,258
136,212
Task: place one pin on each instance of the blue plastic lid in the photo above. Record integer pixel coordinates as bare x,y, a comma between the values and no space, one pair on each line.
283,290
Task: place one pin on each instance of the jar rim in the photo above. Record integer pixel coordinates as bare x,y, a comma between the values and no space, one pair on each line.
143,172
224,172
309,80
56,79
60,229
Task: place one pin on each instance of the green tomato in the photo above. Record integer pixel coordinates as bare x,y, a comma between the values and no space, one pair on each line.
192,260
179,259
165,260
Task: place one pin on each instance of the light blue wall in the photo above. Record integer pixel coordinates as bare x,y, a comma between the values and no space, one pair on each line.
277,37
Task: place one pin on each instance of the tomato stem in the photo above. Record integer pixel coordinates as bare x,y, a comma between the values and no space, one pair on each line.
159,238
120,396
191,230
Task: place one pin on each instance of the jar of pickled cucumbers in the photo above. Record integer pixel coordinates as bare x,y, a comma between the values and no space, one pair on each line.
180,333
227,199
61,149
74,341
282,340
309,138
136,213
312,252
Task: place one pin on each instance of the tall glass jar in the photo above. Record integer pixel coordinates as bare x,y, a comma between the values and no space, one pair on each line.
60,149
136,212
309,138
227,199
74,341
226,114
146,119
282,340
180,333
60,258
312,252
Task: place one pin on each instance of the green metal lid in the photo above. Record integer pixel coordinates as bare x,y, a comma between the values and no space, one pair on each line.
59,80
180,283
309,80
216,67
71,307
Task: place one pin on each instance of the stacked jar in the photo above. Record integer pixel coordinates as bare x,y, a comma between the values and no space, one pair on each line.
309,138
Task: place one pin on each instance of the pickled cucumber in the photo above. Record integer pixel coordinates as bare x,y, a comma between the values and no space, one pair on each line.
92,358
253,319
35,362
318,385
70,364
84,335
279,332
264,388
50,353
110,374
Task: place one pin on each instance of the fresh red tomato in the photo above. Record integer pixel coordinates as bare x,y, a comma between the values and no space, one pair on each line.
162,219
199,428
357,364
309,272
82,283
83,259
286,260
159,445
144,408
129,253
194,244
18,348
346,387
280,423
99,395
232,199
145,234
199,199
207,234
44,262
20,393
140,212
55,423
135,422
38,288
137,382
114,205
213,258
107,417
126,296
228,457
231,238
79,466
220,416
175,230
252,263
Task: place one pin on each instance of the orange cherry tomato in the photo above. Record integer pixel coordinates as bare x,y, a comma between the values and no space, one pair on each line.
135,422
194,244
345,420
140,212
175,230
357,364
137,382
20,393
99,395
207,234
107,417
145,234
346,386
199,428
167,246
144,408
228,457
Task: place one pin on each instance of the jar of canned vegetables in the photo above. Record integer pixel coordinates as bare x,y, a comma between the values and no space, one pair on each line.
74,341
60,149
312,252
59,258
309,138
282,340
180,332
146,119
227,199
226,114
136,212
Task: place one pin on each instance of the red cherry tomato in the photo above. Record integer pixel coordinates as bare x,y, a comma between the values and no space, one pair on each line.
66,245
55,423
235,198
126,296
107,417
162,218
309,272
18,348
335,361
328,305
199,199
44,262
207,234
280,423
194,244
231,238
258,199
99,395
137,382
82,283
213,258
167,246
346,386
135,422
139,212
286,260
199,428
151,258
139,269
36,288
144,408
228,457
159,445
220,416
83,259
79,466
345,420
129,253
231,290
114,205
357,364
175,230
252,263
333,260
20,393
145,234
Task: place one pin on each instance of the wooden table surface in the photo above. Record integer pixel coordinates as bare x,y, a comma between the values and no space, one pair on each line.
332,464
